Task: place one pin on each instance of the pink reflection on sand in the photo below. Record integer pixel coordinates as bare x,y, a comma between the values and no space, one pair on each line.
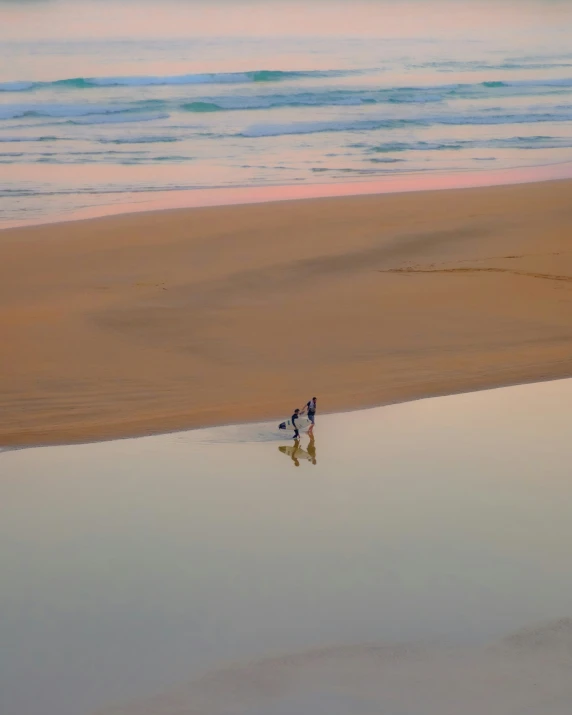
194,198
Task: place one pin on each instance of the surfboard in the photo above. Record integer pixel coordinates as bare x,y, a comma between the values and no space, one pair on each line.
303,423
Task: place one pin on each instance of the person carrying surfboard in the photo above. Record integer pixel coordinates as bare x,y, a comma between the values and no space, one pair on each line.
310,410
294,419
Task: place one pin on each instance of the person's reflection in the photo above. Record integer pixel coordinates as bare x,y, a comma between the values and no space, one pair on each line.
312,449
296,453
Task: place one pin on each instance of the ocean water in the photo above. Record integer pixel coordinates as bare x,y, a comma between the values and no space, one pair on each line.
97,105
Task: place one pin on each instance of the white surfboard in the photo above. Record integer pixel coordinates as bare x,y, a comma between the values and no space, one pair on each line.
302,422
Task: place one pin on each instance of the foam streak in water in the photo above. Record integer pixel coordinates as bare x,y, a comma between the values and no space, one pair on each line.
272,130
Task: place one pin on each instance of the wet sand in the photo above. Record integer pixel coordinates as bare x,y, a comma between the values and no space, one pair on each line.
524,672
150,322
216,571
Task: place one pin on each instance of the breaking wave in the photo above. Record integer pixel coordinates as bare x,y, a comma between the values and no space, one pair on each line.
159,80
440,95
373,113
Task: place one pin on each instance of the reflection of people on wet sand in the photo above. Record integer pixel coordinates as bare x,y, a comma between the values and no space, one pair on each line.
296,453
312,449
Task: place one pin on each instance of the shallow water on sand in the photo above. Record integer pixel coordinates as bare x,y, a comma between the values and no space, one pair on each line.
444,524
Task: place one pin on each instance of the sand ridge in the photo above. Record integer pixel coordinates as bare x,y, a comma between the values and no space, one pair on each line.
150,322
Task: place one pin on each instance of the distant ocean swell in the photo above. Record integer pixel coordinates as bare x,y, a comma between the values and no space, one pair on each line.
266,76
454,89
353,109
148,109
155,81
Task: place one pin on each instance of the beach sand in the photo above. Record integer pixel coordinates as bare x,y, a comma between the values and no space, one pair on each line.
166,320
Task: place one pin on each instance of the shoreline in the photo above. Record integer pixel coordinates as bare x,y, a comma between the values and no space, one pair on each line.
239,195
278,418
156,322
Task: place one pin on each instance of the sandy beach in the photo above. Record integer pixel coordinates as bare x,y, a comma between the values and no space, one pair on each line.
151,322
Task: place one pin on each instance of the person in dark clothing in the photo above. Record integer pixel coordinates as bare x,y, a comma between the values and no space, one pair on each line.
294,419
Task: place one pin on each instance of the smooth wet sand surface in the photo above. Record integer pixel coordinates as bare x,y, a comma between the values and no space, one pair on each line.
159,321
205,573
